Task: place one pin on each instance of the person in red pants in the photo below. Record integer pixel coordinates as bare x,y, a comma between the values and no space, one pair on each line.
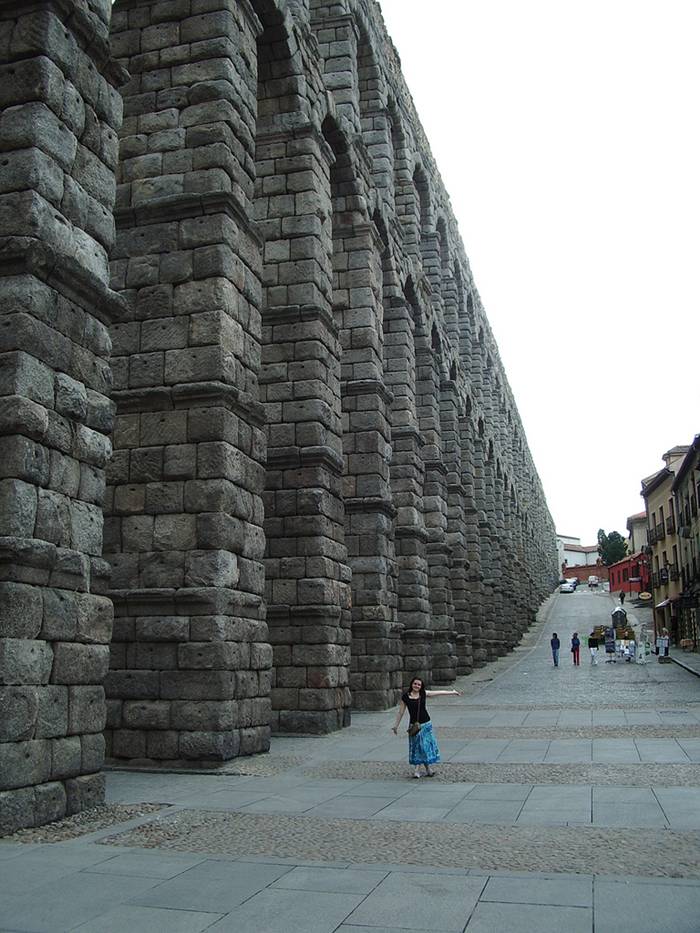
575,648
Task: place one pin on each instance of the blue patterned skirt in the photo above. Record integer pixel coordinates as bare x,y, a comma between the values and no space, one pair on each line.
422,747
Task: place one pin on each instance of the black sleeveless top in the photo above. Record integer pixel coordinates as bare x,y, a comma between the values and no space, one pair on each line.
416,709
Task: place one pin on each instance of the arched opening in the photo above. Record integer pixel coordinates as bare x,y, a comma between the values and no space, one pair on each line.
435,340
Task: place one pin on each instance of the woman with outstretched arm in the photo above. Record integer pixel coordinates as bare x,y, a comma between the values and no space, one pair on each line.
422,747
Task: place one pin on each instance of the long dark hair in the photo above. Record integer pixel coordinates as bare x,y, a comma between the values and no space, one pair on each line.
421,692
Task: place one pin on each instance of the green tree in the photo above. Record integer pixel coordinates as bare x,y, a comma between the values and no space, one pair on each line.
612,547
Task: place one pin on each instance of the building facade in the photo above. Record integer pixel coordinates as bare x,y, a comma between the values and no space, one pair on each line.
574,554
664,545
268,464
686,492
630,575
578,560
637,537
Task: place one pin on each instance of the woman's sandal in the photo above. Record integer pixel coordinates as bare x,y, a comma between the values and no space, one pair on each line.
430,774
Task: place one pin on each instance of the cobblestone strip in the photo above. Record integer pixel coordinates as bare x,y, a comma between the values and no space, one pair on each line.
562,849
639,775
87,821
261,766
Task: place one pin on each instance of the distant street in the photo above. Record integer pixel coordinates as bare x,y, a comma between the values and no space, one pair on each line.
568,799
620,684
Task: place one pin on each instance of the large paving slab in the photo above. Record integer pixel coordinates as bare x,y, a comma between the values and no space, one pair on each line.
567,799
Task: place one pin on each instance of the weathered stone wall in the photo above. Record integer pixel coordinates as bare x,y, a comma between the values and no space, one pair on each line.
190,665
320,482
58,142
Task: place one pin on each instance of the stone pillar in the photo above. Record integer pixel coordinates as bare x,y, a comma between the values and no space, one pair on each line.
307,573
524,596
407,201
499,572
435,512
484,501
510,562
514,568
338,38
407,473
456,531
308,577
370,513
352,78
474,580
369,533
60,113
190,675
491,577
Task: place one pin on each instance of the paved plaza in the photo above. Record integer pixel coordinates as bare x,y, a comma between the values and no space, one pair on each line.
567,799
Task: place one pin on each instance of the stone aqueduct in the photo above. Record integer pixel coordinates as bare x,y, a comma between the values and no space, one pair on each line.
282,422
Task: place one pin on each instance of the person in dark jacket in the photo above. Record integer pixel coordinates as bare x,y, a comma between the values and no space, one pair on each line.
593,647
556,645
575,648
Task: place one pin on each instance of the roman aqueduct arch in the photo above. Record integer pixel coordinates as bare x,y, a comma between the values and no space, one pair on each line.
260,459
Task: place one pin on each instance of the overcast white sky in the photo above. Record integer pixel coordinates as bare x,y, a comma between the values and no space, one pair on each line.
567,135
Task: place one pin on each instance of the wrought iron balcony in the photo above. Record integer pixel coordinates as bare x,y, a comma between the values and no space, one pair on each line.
660,532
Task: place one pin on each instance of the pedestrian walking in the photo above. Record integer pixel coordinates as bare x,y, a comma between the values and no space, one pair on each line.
422,748
622,597
556,645
575,648
593,647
